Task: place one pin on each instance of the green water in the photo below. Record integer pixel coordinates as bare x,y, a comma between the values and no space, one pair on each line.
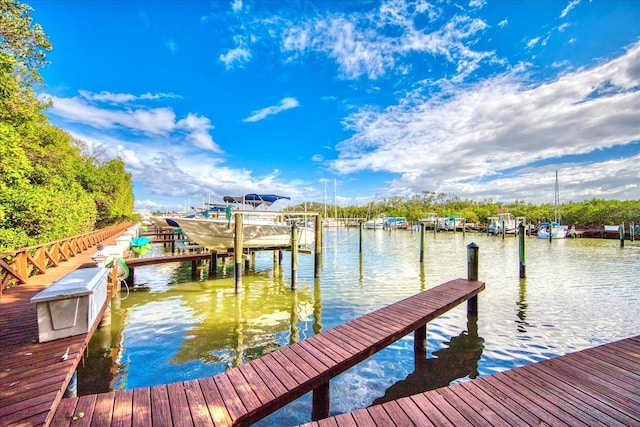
578,293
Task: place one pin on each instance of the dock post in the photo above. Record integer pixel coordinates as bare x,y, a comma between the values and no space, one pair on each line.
361,229
130,279
632,229
503,230
294,255
420,343
421,242
472,274
237,251
622,234
194,269
521,247
213,264
321,402
318,247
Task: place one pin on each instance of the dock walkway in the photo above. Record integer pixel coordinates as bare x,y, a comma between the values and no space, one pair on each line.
33,375
596,386
250,392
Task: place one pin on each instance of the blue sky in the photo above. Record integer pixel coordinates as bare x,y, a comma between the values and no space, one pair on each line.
352,101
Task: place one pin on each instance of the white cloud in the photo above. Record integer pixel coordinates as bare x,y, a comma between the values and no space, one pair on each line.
285,104
121,98
235,57
236,5
571,5
171,45
361,49
476,132
503,23
149,121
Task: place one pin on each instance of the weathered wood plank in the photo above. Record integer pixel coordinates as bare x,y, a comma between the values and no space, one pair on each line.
215,403
122,409
160,407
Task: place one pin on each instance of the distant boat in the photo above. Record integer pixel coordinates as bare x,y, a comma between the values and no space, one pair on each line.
374,224
558,231
555,228
260,228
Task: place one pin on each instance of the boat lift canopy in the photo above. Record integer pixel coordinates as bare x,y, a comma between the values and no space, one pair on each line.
255,200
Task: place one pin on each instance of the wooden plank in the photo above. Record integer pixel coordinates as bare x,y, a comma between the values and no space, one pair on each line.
180,413
258,385
122,409
599,408
85,408
103,410
142,407
270,378
250,401
379,415
433,411
197,404
215,402
231,400
64,415
160,408
397,414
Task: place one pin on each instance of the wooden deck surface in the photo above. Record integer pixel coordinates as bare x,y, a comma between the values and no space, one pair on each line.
248,393
596,386
33,376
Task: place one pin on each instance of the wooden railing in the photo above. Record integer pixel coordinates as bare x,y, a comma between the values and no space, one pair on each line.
17,266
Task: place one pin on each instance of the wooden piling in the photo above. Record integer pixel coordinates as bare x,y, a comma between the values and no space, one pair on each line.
521,247
321,402
622,234
632,230
472,274
361,227
318,247
237,251
294,256
213,264
422,226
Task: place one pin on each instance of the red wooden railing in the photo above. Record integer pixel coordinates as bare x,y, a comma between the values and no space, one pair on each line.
17,266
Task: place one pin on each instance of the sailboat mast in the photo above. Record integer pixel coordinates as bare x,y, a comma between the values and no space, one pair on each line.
556,201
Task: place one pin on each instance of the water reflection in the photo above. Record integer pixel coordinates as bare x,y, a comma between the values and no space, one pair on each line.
522,307
458,360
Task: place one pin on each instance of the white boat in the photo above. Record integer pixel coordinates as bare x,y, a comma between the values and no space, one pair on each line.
374,224
260,228
557,230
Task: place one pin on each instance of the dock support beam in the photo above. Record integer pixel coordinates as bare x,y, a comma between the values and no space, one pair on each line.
237,251
472,274
622,234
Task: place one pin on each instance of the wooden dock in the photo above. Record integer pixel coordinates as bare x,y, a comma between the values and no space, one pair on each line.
33,375
596,386
250,392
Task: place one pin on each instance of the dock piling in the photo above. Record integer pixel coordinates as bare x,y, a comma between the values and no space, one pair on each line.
472,274
622,234
237,251
318,247
294,256
521,247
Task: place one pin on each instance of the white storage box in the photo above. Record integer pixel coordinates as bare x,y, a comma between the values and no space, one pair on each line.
123,242
70,305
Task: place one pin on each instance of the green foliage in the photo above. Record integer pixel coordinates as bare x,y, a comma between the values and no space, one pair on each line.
594,212
51,188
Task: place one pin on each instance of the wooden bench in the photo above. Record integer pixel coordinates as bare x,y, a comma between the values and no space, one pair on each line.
250,392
